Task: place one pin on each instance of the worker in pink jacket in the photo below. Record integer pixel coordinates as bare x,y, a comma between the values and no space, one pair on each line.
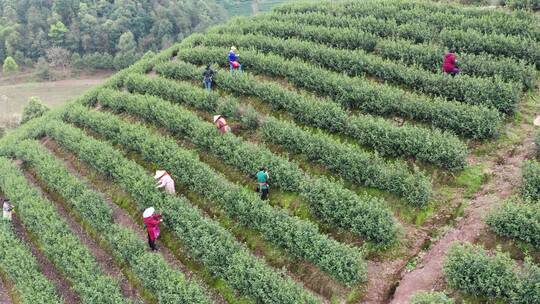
165,180
450,63
152,221
221,124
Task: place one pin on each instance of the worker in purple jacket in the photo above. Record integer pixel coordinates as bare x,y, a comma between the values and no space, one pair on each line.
233,60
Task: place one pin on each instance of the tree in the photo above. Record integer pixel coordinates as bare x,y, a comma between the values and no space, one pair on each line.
127,51
42,69
34,108
10,66
58,57
57,32
67,9
76,61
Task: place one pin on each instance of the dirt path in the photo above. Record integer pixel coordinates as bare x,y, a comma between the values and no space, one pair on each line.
46,267
4,293
505,168
383,275
122,218
103,259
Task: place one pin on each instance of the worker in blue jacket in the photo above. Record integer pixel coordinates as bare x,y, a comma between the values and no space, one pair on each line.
233,60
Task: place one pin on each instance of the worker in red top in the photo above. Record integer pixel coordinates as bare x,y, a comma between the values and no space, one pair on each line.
221,124
450,63
152,221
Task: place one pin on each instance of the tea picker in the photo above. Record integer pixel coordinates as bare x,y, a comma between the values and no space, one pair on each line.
208,76
221,124
233,60
164,180
263,179
152,221
450,63
7,210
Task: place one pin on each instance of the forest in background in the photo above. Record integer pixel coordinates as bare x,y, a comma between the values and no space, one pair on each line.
96,34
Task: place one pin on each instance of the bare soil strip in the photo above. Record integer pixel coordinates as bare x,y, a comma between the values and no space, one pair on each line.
4,293
505,168
122,217
63,286
104,260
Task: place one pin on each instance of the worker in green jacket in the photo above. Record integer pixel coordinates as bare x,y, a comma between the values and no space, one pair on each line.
263,177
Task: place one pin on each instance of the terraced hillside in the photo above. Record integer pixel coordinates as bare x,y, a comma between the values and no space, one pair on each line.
378,162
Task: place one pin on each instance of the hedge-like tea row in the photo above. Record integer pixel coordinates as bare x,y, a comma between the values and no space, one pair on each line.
468,120
532,5
170,286
496,44
300,238
200,99
176,92
472,12
349,162
348,38
430,57
20,267
56,240
531,180
436,16
432,146
472,270
205,240
417,32
396,178
489,92
339,206
517,220
471,41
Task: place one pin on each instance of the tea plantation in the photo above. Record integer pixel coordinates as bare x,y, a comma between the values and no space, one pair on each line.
375,155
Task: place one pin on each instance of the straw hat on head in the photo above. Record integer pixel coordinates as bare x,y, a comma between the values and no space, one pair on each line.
159,174
216,117
233,48
148,212
537,121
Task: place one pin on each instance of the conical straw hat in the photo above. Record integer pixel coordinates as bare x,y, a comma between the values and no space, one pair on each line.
216,117
159,174
537,121
148,212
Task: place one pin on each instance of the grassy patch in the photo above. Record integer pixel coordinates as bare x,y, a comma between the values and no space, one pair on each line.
55,93
472,178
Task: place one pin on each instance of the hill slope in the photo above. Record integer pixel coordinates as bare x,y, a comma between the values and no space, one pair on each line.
373,153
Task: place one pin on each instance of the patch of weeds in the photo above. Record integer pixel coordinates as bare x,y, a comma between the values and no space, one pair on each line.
302,211
472,178
518,117
124,202
427,244
412,263
424,214
225,222
445,193
459,211
228,293
356,295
